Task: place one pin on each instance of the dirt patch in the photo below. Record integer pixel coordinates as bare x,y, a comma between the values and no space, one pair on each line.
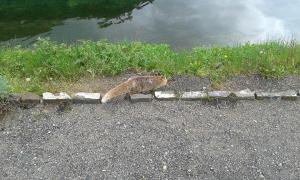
191,83
187,83
103,84
259,83
100,84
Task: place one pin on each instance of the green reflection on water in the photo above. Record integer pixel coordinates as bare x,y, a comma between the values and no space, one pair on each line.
21,18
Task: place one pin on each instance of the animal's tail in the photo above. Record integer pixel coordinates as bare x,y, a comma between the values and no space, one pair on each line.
117,91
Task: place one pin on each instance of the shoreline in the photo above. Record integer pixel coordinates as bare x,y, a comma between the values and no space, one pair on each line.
54,67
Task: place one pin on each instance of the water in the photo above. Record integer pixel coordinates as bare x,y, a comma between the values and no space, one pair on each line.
180,23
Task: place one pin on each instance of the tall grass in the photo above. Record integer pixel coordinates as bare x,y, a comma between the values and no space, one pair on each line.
29,69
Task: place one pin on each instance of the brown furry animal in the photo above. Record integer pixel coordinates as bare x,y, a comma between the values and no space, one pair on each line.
135,85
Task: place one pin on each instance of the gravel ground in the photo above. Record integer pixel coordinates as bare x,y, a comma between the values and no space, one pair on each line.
158,140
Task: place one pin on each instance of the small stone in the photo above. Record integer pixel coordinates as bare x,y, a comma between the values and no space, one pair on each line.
165,95
83,97
290,94
141,97
30,98
165,167
245,94
56,98
219,94
194,95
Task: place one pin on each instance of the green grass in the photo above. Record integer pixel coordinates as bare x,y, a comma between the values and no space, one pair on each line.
60,63
4,88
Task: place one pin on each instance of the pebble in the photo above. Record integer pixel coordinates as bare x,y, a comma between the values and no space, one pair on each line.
165,167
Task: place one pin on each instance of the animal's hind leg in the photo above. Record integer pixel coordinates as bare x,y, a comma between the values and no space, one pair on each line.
130,93
127,96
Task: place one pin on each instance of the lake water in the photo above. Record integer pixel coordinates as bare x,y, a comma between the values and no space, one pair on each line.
180,23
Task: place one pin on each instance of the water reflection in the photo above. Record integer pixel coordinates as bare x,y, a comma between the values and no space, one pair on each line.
19,18
183,24
206,22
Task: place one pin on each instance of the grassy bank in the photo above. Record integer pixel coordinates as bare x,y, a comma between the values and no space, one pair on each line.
4,88
56,64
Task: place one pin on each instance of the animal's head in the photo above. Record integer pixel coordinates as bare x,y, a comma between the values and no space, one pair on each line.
162,81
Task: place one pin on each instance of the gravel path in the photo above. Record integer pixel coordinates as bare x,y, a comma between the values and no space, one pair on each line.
158,140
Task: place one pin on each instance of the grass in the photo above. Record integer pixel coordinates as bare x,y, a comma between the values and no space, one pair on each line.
4,88
33,69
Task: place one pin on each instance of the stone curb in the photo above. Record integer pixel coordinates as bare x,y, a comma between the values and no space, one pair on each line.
141,98
30,98
86,98
193,95
14,98
219,94
165,95
288,95
49,98
95,98
245,94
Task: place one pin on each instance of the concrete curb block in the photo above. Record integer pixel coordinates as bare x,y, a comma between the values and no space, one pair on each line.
219,94
30,98
288,95
86,98
141,98
56,98
193,95
95,98
165,95
245,94
14,98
